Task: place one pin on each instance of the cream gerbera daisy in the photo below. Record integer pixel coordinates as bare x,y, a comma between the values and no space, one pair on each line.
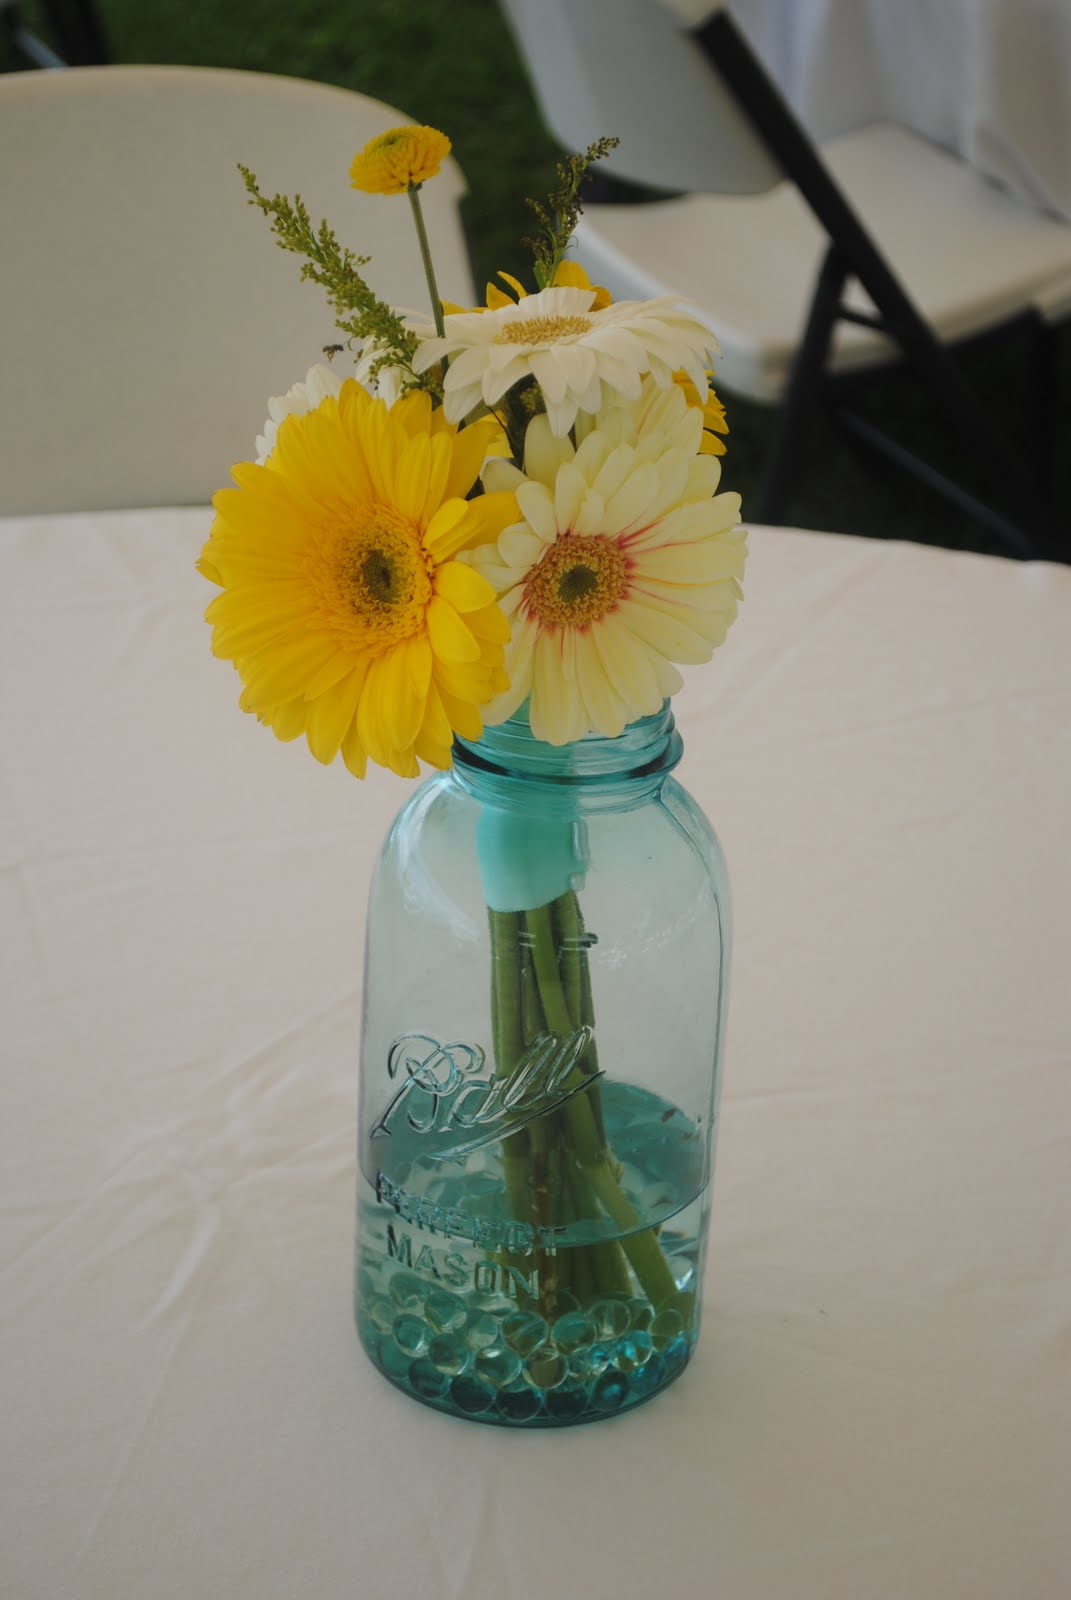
573,348
344,608
626,560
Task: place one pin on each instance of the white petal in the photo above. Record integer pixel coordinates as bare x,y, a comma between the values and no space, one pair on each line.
591,516
703,561
500,474
561,417
550,713
570,487
550,376
607,712
668,635
629,506
537,508
520,548
627,663
543,453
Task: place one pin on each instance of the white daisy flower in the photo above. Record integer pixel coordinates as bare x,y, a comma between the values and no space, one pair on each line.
386,385
320,381
573,351
627,560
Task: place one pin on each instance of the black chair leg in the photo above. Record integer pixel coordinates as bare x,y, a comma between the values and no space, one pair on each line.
786,447
78,31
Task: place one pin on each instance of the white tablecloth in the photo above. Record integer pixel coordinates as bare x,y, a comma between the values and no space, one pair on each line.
879,1407
989,79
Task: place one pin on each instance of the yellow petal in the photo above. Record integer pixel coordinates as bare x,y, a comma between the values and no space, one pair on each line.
353,752
463,716
436,727
469,450
489,623
450,639
448,529
279,673
328,718
331,673
463,586
288,722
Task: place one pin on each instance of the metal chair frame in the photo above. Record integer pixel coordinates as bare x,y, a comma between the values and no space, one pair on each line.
74,24
1034,528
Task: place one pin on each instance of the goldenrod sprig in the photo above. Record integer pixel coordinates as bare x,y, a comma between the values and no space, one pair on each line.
558,218
359,312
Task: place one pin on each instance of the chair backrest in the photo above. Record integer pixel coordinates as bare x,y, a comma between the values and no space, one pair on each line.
591,62
147,313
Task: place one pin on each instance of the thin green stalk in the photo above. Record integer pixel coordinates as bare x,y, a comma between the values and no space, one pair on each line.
508,1038
576,977
425,255
545,961
640,1244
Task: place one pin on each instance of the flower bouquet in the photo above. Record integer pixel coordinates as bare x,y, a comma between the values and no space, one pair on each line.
488,548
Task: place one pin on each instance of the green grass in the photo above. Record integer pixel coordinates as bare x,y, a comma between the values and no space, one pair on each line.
452,63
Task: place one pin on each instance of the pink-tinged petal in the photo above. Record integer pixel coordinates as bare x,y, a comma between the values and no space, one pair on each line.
666,634
701,561
628,667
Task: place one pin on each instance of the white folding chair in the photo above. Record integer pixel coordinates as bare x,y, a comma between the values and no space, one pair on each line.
148,313
810,265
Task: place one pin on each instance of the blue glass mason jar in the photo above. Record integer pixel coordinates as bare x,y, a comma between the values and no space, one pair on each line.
544,1003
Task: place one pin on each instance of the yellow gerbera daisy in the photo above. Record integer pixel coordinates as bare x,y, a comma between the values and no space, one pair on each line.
625,560
344,608
400,159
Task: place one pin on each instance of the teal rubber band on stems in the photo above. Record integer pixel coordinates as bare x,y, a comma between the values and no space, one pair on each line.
525,861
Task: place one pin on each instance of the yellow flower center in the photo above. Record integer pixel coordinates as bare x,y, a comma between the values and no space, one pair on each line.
384,575
578,581
541,330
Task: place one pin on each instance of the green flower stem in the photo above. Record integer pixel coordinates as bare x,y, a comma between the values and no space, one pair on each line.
425,255
508,1039
589,1146
576,976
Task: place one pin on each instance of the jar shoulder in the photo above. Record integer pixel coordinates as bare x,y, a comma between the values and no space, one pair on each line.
664,831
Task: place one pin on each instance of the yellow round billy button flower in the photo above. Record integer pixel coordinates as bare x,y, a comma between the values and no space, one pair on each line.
400,159
344,608
625,561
